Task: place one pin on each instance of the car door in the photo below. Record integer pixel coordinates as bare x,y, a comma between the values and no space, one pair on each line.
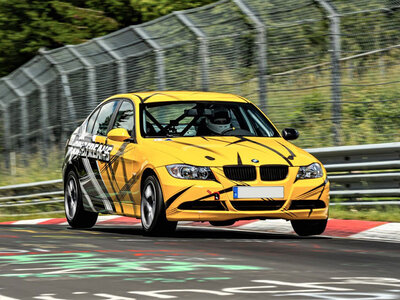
120,172
96,153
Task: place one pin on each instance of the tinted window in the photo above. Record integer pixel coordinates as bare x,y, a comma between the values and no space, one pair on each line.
91,120
125,117
104,118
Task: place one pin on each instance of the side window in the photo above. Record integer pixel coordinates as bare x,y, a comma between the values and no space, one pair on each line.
125,117
91,120
104,118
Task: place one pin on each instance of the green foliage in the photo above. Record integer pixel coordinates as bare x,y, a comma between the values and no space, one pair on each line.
28,25
151,9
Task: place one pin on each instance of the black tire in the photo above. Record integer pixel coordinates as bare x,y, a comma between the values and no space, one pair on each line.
309,227
152,209
222,223
77,217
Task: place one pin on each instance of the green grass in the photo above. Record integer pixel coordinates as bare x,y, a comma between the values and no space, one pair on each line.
388,213
31,217
37,170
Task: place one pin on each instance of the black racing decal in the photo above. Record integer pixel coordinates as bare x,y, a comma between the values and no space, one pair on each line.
242,139
174,197
323,189
313,190
111,180
239,159
267,199
309,214
209,157
92,193
115,157
126,189
196,146
307,195
291,214
103,189
204,138
292,155
226,142
110,168
91,150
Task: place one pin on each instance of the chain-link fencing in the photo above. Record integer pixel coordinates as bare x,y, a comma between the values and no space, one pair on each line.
328,68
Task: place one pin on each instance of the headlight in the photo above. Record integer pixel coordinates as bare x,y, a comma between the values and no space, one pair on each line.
190,172
308,172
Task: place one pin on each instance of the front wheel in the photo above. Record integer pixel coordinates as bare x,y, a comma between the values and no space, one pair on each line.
77,217
309,227
152,209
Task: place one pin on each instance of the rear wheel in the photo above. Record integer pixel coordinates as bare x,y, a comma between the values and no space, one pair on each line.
309,227
152,209
222,223
77,217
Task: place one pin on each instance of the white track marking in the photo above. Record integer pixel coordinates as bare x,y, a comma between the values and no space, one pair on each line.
275,226
7,298
31,222
385,232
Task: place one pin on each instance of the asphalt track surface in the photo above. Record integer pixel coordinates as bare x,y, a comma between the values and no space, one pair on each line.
119,263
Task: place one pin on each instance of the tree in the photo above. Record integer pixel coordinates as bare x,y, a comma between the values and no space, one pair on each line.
27,25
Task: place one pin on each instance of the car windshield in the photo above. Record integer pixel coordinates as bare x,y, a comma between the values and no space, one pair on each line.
204,118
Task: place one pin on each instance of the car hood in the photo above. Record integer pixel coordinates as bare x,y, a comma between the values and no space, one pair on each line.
220,151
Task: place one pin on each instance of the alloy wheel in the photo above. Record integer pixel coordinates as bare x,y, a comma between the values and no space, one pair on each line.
148,207
71,198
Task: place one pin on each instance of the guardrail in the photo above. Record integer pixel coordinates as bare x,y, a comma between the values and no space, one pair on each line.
366,171
35,193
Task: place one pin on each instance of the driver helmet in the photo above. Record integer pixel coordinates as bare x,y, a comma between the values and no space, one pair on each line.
219,121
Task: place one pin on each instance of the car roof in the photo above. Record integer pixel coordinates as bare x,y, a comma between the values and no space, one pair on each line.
172,96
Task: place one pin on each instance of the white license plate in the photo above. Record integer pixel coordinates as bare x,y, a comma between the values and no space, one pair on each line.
257,192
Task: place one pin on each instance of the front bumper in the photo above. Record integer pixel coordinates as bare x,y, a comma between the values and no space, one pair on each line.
298,202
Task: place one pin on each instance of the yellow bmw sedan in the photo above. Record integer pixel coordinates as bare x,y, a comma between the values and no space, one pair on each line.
166,157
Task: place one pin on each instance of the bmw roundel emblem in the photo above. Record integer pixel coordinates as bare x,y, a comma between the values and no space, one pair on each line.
254,160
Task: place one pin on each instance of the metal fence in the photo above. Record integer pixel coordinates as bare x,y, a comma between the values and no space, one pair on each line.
329,68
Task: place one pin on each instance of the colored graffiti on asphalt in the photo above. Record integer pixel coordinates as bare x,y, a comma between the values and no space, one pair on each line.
87,264
176,280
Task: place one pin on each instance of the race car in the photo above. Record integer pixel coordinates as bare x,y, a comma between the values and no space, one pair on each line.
175,156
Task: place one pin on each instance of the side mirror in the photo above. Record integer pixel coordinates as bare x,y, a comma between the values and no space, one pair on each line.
290,134
118,134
